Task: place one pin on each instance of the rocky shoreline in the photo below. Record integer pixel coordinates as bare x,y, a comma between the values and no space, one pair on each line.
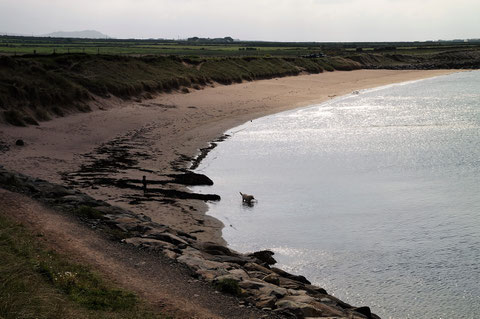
251,277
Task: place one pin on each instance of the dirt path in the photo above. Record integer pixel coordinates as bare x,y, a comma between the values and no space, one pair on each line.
166,285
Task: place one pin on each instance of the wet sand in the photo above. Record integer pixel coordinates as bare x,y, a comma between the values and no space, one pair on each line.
160,136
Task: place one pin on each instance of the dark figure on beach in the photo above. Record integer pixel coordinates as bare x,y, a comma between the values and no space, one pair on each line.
144,182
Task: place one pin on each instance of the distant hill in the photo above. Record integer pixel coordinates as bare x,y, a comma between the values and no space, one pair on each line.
86,34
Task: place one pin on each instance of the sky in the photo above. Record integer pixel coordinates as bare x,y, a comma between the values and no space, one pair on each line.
270,20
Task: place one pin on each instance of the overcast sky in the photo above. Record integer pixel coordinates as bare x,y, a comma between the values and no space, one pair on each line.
276,20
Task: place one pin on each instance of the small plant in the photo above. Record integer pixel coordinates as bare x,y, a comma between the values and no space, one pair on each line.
83,286
14,117
58,111
229,286
30,120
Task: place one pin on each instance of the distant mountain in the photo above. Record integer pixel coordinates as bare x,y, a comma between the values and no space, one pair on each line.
87,34
13,34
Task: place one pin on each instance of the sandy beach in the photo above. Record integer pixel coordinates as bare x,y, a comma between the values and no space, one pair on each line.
159,136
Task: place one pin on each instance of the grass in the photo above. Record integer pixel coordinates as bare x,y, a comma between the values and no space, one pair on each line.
37,88
204,48
38,283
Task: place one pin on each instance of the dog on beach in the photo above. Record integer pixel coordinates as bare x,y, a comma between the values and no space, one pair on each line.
247,198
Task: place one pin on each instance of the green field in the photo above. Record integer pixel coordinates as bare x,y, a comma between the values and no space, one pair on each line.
31,45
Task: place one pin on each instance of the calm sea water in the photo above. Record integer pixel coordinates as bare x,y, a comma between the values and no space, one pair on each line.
374,196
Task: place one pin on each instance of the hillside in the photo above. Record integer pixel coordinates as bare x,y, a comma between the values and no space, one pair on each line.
37,87
86,34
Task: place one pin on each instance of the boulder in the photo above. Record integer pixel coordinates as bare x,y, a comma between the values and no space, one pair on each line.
261,288
199,263
252,284
266,302
191,179
285,274
125,223
168,237
112,210
300,310
19,142
364,311
210,275
215,249
272,279
149,243
63,194
290,284
183,234
289,307
240,273
234,274
170,254
315,290
256,267
265,256
272,290
231,259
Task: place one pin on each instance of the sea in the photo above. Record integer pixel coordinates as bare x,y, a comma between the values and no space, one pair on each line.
374,196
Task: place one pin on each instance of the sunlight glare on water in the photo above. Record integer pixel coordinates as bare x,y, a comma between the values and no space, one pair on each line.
374,197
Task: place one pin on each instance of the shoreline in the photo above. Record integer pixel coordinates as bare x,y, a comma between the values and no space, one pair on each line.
164,134
100,157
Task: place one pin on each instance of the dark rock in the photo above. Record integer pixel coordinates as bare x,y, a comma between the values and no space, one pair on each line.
20,143
272,279
266,302
231,259
79,198
285,274
167,237
291,284
182,195
258,268
149,243
191,179
364,311
111,210
252,284
139,228
315,290
183,234
289,307
215,249
265,256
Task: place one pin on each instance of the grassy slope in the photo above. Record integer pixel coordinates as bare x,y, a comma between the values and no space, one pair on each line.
38,283
35,88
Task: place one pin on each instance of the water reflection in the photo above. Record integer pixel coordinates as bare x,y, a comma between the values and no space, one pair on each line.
377,194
